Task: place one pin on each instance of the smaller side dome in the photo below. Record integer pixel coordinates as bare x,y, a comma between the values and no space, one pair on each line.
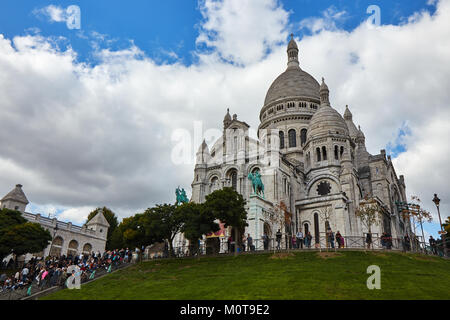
326,120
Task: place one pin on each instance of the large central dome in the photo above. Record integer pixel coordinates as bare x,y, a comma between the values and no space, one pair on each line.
294,82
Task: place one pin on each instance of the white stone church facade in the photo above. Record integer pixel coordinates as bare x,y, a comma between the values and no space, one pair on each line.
312,160
67,238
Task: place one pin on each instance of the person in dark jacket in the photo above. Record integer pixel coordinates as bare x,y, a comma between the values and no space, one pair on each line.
279,235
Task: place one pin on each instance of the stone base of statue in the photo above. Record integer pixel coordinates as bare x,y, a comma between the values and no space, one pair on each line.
258,210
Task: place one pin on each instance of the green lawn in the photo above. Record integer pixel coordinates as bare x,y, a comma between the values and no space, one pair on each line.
303,275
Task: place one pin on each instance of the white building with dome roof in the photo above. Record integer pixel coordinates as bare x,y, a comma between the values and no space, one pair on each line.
312,160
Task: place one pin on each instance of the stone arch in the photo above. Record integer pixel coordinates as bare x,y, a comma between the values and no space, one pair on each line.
216,173
305,226
232,175
292,138
316,228
303,136
56,247
73,247
281,136
321,177
267,229
214,183
87,248
324,153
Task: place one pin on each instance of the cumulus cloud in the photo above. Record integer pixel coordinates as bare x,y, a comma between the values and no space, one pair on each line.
242,31
329,20
52,12
80,136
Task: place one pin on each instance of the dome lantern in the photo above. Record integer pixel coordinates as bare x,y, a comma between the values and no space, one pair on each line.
292,52
227,119
324,93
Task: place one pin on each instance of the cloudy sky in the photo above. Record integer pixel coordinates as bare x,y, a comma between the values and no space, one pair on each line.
93,105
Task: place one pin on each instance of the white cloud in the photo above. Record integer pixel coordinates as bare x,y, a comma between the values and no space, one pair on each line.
82,136
52,13
329,20
243,31
76,215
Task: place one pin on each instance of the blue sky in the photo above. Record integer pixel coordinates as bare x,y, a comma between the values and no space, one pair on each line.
167,32
161,27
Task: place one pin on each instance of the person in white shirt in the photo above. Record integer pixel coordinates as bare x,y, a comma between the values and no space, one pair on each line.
25,272
299,237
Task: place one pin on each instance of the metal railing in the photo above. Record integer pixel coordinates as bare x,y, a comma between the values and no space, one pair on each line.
18,292
286,243
224,248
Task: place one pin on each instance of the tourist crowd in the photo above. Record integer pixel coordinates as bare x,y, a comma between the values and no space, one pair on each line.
54,270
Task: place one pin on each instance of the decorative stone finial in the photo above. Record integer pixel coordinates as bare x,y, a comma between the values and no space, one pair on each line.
292,51
324,93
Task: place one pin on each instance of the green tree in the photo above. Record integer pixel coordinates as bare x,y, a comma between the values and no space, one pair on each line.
162,222
197,222
229,207
446,225
132,231
19,235
117,241
113,224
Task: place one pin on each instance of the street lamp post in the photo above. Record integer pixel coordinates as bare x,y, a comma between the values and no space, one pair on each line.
53,239
436,201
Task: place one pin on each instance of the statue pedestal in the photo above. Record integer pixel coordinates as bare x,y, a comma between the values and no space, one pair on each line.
257,208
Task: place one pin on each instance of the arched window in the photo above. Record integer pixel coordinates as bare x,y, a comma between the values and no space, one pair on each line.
303,136
73,248
87,248
56,247
316,228
292,138
233,178
318,155
281,140
215,184
342,151
336,153
324,153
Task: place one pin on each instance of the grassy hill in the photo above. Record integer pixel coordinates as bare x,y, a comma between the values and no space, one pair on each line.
300,275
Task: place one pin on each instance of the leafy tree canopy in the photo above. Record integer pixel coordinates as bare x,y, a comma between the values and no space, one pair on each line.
19,235
162,222
197,221
228,206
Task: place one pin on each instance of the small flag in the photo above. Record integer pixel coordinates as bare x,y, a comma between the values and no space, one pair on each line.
29,291
109,269
92,275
